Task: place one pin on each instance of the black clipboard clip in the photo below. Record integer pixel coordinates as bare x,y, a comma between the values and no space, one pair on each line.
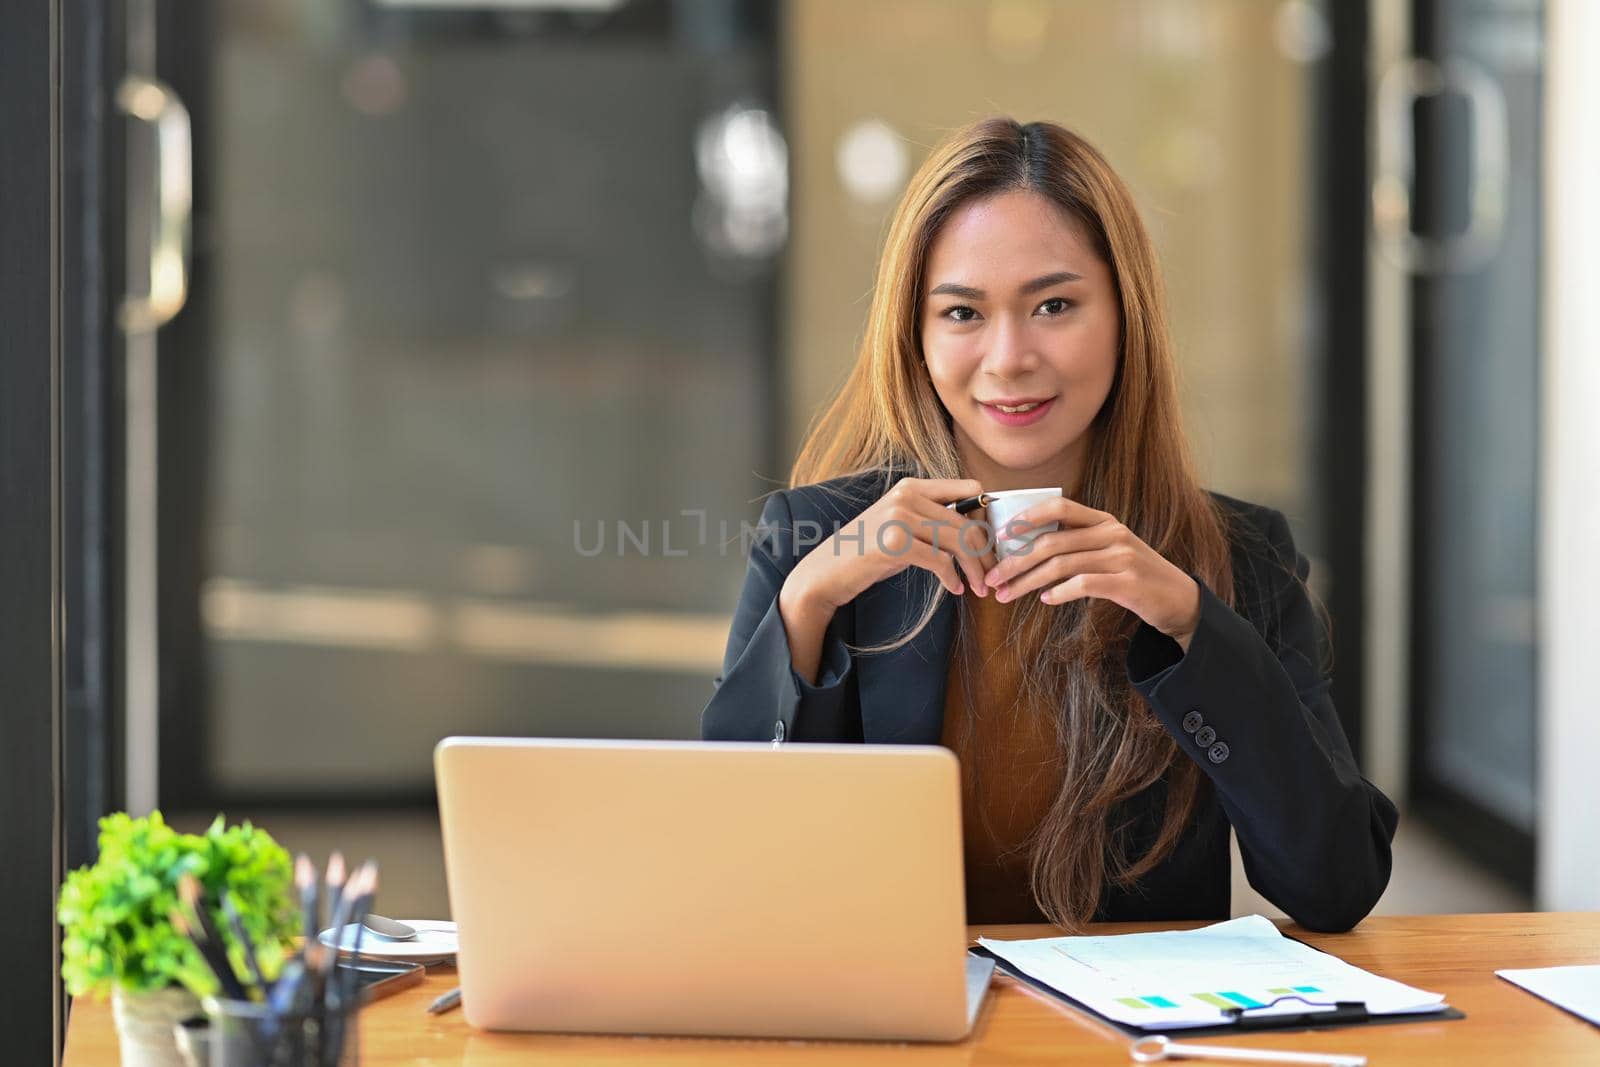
1343,1011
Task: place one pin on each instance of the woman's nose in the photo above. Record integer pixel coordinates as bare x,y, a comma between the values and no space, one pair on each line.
1010,350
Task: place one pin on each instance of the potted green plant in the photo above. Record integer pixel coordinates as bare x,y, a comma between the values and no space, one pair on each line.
118,937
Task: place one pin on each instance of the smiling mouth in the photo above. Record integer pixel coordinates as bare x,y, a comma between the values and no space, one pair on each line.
1018,413
1015,407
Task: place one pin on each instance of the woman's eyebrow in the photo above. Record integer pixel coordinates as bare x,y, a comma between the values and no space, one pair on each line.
967,292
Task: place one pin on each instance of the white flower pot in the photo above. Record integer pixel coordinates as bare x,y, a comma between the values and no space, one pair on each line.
145,1021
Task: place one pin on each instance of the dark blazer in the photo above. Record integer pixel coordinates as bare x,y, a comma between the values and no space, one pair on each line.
1249,703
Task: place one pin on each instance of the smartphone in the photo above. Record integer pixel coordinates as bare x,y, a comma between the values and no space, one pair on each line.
379,978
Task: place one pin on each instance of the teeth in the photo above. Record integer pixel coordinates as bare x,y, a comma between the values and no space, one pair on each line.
1016,410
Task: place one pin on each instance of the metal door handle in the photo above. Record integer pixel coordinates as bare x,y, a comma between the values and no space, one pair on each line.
1402,85
152,102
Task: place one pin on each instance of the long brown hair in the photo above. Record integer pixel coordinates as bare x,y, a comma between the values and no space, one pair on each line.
888,417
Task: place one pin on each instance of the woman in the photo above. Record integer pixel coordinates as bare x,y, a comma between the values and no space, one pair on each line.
1140,680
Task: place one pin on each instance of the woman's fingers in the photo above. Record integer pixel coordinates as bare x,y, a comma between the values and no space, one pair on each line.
979,541
1047,546
1112,587
1058,569
886,537
960,536
908,516
904,539
939,490
1062,509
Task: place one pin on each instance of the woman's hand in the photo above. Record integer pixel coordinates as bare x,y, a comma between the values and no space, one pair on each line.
1094,555
908,526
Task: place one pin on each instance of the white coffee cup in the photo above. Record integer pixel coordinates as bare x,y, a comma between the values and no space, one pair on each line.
1004,506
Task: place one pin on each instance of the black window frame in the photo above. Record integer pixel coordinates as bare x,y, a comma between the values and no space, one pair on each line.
60,404
30,501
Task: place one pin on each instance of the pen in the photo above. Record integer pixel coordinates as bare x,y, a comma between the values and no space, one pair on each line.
305,880
342,989
445,1001
192,896
971,503
211,953
247,948
334,880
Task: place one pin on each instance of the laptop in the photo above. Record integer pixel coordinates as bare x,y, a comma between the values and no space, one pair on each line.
732,889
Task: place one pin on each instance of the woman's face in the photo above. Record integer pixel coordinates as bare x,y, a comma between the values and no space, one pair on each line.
1018,309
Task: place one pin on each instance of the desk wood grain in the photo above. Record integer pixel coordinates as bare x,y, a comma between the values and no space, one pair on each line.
1453,954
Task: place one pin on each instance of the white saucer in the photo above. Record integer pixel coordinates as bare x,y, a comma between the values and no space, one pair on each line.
436,939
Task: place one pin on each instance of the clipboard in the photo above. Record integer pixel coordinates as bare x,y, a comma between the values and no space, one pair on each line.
1345,1013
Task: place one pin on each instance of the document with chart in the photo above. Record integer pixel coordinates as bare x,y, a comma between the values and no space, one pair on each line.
1188,978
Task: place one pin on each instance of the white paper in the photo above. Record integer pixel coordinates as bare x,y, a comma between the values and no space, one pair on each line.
1577,989
1181,978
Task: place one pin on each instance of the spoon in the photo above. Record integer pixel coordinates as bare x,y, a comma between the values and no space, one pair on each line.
389,929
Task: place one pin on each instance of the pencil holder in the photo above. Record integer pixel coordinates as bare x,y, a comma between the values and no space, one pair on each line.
247,1033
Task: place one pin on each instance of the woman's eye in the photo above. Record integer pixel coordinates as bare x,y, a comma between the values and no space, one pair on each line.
960,313
1055,305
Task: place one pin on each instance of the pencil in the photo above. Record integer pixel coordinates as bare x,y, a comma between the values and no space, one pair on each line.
445,1001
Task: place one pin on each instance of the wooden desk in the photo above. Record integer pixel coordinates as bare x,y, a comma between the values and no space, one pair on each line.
1452,954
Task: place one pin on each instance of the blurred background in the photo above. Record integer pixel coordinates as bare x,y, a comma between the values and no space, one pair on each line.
473,283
